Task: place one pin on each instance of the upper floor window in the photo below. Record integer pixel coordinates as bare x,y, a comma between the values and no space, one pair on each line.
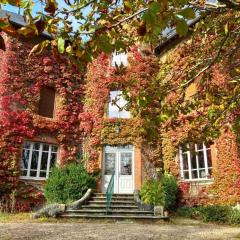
195,161
117,106
37,159
119,59
47,102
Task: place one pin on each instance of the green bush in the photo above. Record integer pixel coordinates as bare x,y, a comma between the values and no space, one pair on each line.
68,184
170,189
152,192
160,192
234,217
190,212
218,214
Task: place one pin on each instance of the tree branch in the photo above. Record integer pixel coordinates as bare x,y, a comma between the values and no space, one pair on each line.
211,63
130,17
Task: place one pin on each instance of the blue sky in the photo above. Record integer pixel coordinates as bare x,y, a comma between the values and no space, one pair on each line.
37,7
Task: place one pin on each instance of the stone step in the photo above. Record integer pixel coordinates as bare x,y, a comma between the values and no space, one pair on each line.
113,217
121,198
114,202
114,195
97,206
111,212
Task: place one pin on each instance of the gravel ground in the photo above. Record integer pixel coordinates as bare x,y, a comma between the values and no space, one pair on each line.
113,231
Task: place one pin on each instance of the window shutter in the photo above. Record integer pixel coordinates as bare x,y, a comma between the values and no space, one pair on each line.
47,102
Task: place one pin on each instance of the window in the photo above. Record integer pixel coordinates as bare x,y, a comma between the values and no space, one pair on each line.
119,59
47,102
195,161
37,159
117,105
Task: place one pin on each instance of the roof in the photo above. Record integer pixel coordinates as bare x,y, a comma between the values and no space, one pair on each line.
171,34
18,20
168,34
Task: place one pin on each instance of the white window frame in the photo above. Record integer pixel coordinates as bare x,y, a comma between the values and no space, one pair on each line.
119,59
50,151
206,168
119,113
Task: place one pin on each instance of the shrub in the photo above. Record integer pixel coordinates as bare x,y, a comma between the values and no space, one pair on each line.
218,214
234,217
170,189
160,192
152,192
68,183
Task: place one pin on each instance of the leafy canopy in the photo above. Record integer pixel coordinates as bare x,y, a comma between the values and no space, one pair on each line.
84,28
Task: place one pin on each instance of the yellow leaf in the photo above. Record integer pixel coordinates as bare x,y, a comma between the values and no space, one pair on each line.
190,91
28,31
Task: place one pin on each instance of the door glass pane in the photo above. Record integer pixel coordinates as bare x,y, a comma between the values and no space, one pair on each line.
110,160
126,164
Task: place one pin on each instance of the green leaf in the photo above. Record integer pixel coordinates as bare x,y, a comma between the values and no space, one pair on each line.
37,49
188,13
3,23
104,44
61,43
182,27
155,7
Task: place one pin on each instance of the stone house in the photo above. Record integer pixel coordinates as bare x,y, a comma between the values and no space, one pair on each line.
47,118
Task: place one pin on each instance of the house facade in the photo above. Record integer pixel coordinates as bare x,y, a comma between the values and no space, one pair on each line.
116,117
41,97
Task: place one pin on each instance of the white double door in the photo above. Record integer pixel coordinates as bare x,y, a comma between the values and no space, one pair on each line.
121,160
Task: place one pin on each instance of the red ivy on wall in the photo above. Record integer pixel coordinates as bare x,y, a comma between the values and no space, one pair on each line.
21,79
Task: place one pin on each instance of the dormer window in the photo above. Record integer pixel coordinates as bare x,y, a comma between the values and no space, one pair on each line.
119,59
117,106
47,102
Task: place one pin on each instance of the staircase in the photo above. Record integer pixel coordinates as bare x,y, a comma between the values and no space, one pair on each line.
122,207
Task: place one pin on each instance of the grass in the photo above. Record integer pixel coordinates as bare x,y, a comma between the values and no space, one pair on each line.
7,217
26,217
23,217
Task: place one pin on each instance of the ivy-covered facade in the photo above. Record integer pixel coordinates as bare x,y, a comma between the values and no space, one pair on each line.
135,120
39,120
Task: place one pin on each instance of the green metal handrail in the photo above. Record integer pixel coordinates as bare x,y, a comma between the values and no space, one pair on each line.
109,193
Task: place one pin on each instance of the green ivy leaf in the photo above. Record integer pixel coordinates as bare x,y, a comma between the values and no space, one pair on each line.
61,43
104,44
188,13
182,27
